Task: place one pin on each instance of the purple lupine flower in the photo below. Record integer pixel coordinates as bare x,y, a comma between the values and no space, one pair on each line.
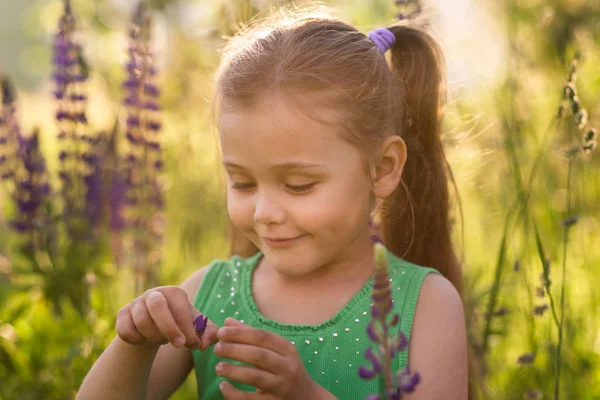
135,188
200,324
391,386
32,190
70,75
9,131
94,181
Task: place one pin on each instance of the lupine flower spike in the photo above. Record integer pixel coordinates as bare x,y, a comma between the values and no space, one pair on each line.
391,385
79,159
32,191
9,132
143,162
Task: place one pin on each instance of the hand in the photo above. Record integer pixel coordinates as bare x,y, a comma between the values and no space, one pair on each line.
162,315
279,373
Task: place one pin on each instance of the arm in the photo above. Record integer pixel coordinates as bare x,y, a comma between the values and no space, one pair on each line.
172,365
438,343
126,371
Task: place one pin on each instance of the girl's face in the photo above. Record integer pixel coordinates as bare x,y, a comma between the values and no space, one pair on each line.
291,177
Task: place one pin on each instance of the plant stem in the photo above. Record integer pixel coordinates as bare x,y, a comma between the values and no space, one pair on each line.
564,269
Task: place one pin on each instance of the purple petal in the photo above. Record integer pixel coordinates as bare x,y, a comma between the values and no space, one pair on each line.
151,105
133,121
60,115
200,323
131,83
411,383
400,342
151,90
373,397
407,381
373,335
366,373
153,126
372,357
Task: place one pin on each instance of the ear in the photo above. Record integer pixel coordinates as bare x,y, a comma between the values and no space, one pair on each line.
387,171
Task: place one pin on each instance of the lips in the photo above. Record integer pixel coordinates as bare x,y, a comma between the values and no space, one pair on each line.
278,242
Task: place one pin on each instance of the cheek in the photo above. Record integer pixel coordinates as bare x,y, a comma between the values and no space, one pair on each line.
240,211
334,214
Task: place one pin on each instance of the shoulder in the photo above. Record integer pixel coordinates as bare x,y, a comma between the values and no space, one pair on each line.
438,341
438,293
193,282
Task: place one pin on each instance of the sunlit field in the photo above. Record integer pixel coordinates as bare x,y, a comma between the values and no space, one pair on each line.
520,134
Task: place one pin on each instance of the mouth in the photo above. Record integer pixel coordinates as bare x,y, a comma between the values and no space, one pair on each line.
280,242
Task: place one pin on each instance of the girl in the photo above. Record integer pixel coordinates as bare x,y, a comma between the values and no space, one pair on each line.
319,131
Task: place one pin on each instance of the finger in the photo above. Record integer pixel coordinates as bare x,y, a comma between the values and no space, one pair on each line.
259,357
183,313
229,392
256,377
257,337
126,328
158,307
209,337
145,324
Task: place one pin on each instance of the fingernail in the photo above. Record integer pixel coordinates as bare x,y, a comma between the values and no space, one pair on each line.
180,341
219,369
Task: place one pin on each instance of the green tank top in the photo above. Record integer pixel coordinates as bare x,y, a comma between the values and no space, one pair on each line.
332,352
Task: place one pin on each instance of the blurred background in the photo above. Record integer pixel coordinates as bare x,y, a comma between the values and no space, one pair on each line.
83,231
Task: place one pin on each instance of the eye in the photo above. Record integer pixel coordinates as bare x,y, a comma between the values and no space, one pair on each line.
244,187
300,188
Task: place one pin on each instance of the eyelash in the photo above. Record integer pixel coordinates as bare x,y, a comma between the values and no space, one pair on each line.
296,189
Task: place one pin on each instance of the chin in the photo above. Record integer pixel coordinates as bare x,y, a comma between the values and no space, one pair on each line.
289,263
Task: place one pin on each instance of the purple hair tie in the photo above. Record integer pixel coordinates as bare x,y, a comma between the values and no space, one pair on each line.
383,38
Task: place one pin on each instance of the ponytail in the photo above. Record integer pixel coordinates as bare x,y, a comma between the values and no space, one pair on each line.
415,219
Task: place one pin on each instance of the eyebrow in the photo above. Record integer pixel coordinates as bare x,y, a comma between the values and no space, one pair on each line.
284,166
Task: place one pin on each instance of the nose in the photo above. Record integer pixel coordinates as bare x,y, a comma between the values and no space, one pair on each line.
267,211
